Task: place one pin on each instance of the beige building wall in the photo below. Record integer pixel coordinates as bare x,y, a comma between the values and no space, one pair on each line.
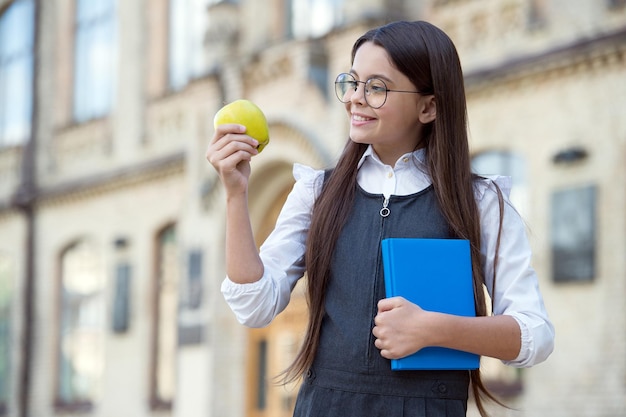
542,76
536,112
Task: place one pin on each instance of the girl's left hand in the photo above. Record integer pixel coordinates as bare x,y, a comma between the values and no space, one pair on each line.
400,328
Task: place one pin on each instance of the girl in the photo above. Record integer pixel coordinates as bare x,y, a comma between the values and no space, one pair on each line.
404,172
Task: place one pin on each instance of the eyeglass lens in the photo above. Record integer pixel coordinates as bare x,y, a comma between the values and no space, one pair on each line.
375,90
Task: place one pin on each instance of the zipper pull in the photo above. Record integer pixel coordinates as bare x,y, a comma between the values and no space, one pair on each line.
384,212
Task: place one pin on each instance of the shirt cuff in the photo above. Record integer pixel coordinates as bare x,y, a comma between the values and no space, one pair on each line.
246,301
537,343
526,346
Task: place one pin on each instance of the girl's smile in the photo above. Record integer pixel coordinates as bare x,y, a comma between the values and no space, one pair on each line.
360,119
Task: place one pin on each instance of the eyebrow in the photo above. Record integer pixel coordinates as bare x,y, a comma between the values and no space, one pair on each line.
380,76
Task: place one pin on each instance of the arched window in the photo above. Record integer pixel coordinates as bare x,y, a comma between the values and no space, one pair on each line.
273,348
81,327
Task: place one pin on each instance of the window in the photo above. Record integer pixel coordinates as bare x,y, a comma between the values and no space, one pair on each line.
95,59
188,24
536,15
507,164
6,296
166,306
574,234
318,69
82,327
314,18
191,321
615,4
16,72
261,402
121,300
193,288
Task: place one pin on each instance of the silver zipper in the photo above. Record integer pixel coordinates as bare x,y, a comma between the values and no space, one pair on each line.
384,212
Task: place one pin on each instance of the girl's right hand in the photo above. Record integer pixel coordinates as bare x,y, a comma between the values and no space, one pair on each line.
230,151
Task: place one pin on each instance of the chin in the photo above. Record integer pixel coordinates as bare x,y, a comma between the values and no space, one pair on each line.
360,139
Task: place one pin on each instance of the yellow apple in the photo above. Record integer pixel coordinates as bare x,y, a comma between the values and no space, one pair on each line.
245,112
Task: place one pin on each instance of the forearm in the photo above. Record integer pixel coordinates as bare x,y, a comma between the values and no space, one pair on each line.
243,264
494,336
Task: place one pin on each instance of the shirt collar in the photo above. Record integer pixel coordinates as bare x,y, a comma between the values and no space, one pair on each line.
418,156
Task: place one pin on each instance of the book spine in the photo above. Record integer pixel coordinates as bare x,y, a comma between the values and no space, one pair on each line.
388,253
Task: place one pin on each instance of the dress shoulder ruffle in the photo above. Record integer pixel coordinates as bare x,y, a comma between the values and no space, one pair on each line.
489,182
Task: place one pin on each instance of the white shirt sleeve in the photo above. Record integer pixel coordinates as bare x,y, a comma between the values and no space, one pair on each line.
256,304
517,289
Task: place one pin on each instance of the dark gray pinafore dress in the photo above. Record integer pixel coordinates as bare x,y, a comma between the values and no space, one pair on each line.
349,377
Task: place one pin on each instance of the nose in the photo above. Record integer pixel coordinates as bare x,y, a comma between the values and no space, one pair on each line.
358,96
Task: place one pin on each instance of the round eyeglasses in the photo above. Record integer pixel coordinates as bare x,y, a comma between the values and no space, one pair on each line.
375,90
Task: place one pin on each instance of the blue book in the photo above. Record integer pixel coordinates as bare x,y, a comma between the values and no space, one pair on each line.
435,274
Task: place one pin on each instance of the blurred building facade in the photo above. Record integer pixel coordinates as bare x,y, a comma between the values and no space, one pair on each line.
112,222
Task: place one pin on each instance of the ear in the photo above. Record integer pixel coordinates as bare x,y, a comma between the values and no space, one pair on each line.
428,109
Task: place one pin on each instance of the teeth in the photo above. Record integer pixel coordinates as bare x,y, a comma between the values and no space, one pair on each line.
360,118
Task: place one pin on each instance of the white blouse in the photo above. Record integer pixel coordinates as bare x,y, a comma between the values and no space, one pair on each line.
517,290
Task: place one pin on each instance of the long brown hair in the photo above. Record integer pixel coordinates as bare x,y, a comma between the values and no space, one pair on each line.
427,56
